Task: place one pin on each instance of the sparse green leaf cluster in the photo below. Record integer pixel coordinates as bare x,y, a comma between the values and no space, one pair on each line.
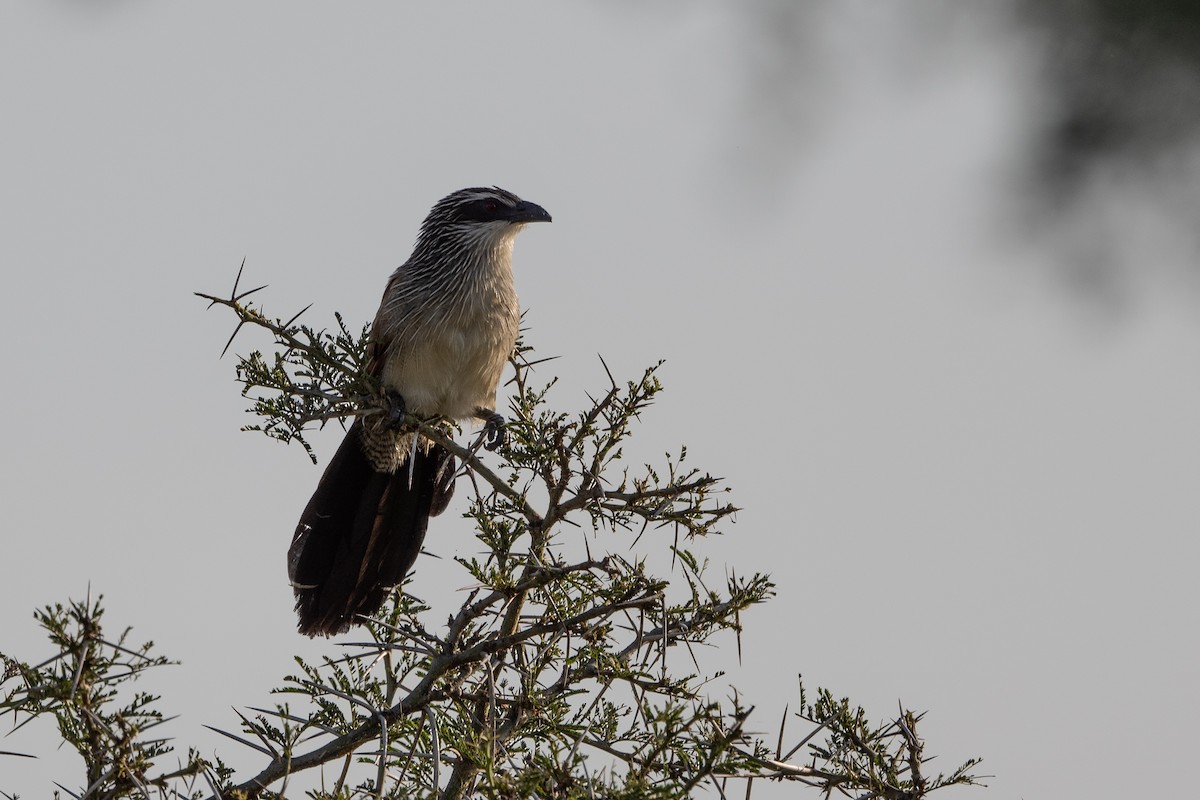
84,687
309,376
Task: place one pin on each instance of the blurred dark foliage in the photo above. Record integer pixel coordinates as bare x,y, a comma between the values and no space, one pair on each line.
1126,75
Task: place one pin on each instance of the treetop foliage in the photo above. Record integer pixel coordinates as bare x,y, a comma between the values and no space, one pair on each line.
573,668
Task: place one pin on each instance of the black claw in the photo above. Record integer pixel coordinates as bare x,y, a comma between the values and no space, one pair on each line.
494,434
397,409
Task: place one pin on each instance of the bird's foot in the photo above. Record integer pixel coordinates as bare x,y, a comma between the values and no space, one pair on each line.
397,410
494,434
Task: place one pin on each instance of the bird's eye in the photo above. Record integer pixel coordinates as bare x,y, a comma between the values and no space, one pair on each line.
491,206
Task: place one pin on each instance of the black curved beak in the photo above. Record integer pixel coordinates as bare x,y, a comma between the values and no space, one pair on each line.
526,211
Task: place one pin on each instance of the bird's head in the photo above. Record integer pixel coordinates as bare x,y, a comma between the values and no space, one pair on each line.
483,218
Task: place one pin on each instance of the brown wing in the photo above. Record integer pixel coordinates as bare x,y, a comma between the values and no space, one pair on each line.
379,340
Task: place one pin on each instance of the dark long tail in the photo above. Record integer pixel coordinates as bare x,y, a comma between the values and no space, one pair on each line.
361,532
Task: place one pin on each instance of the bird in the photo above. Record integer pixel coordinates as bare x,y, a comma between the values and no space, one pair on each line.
445,329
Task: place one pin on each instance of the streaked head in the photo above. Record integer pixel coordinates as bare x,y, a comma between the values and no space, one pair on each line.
478,217
485,205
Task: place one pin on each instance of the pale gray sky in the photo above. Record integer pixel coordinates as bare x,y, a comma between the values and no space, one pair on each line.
976,495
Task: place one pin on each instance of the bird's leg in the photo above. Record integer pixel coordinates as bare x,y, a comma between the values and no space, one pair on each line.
493,428
397,409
